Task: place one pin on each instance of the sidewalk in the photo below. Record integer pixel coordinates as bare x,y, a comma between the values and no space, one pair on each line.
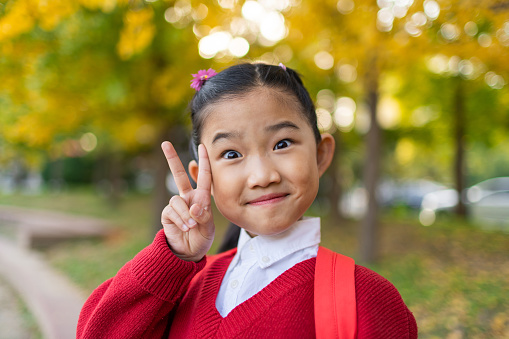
40,228
13,322
52,299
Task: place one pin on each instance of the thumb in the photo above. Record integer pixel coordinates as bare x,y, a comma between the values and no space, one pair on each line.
200,213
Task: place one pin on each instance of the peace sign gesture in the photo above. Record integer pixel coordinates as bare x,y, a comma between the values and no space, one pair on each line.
187,219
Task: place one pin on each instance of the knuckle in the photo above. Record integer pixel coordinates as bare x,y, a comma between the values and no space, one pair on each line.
174,200
179,172
206,171
177,220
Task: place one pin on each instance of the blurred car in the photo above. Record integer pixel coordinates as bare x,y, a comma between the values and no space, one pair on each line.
487,202
408,193
391,193
485,188
492,209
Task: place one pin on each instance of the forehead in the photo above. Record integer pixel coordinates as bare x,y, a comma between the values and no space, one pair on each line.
258,107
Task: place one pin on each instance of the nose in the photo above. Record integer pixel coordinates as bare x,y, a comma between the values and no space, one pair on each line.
261,172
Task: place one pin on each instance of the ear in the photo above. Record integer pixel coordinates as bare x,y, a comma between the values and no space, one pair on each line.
325,152
193,171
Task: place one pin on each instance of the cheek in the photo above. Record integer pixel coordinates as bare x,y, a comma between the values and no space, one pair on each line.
225,184
304,170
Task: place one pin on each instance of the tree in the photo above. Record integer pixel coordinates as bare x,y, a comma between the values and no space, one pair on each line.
112,78
383,39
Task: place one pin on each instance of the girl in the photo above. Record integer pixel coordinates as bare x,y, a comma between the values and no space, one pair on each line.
260,155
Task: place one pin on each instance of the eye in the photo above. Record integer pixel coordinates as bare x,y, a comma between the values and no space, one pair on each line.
282,144
231,155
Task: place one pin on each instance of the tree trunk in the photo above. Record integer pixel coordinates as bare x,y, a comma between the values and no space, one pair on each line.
336,191
115,180
459,140
369,226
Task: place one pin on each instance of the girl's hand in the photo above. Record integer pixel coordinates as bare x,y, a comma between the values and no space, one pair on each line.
187,220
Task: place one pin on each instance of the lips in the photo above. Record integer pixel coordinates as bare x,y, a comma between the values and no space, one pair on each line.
268,199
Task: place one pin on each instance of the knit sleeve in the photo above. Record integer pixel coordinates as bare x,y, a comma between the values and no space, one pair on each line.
381,312
138,301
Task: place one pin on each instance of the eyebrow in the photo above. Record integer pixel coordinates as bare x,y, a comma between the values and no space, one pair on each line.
280,126
271,128
227,135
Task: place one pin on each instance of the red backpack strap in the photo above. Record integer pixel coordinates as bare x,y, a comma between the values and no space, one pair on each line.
335,303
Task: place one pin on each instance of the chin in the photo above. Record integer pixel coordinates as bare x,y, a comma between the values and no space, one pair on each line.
269,230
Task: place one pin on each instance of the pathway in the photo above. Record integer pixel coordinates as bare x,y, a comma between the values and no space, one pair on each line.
13,322
52,299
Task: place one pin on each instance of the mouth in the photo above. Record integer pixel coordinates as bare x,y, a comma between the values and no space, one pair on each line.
268,199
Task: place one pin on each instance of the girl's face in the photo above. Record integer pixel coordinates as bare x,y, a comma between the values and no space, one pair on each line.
264,160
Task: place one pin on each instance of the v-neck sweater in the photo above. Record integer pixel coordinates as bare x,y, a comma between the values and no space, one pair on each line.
157,295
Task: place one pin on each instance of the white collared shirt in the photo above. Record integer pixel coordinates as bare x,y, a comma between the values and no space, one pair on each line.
262,259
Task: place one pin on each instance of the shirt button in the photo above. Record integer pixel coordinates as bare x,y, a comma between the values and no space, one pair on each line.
265,259
234,284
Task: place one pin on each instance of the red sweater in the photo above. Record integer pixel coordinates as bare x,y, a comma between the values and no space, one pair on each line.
157,295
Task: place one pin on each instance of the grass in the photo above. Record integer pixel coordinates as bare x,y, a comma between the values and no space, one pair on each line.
453,275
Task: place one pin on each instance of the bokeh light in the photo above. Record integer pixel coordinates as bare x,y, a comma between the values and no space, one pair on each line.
214,43
344,115
238,47
324,119
346,73
470,28
389,113
345,6
431,9
88,142
450,31
253,10
494,80
324,60
484,40
427,217
272,26
326,99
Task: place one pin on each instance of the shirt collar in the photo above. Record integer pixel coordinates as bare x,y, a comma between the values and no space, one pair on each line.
268,249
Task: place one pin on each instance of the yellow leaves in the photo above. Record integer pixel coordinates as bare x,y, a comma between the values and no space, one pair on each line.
169,89
137,33
104,5
50,13
36,119
29,129
17,20
405,151
134,131
22,15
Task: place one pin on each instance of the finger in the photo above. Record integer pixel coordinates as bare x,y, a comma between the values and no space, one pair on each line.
204,173
170,216
199,213
180,206
177,169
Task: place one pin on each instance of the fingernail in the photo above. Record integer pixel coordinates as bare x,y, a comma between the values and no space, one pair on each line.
200,212
191,222
185,228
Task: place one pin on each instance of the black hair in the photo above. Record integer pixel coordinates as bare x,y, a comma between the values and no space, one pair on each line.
237,80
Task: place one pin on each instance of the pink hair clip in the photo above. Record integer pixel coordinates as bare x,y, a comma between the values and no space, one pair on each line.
282,66
200,78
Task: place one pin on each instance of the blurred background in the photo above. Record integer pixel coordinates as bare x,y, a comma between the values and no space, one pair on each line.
414,92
